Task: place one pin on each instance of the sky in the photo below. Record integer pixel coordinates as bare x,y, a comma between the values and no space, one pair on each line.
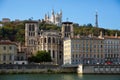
77,11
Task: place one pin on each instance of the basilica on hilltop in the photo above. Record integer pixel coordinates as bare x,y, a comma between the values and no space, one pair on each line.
54,18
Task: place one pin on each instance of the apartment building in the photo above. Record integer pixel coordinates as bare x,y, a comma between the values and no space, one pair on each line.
91,50
8,52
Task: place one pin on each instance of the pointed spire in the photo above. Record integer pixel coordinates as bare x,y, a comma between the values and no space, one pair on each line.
61,12
96,19
45,17
52,11
48,15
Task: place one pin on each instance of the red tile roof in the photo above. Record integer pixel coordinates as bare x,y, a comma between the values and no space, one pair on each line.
7,42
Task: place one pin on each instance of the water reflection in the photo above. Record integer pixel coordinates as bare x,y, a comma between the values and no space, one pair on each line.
58,77
80,76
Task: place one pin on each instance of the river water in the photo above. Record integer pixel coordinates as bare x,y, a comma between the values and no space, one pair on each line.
58,77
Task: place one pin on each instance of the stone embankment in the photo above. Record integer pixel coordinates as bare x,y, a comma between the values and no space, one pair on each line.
33,68
46,68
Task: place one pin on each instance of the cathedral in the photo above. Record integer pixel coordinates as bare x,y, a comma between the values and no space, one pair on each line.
47,40
54,18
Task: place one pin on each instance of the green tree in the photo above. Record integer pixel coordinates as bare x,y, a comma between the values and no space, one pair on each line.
41,56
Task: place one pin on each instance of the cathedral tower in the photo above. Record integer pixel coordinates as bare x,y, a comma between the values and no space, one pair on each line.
67,30
31,34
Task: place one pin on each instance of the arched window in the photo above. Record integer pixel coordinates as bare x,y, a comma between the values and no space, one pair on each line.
44,40
53,40
49,40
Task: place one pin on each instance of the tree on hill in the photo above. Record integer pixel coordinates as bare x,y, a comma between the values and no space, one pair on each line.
15,31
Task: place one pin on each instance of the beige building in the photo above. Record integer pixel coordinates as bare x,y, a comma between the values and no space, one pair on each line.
91,50
8,52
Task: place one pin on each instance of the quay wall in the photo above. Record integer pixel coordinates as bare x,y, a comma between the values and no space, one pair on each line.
82,69
4,68
101,69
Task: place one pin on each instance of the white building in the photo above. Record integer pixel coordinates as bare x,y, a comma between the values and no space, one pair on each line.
54,18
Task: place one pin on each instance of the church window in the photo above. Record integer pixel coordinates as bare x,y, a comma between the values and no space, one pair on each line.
60,56
49,51
33,27
65,28
53,54
44,40
29,27
49,40
33,34
53,40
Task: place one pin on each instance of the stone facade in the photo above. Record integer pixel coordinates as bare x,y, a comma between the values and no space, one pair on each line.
31,36
50,40
67,30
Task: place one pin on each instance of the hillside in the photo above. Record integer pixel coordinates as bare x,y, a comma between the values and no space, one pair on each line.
15,31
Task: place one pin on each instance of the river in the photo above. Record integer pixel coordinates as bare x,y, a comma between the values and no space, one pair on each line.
58,77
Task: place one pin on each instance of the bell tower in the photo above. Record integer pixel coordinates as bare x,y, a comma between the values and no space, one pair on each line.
31,33
67,30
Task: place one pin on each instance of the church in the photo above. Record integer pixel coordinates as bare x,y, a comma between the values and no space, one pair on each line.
55,18
47,40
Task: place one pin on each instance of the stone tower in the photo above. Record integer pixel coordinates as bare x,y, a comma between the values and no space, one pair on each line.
31,34
67,30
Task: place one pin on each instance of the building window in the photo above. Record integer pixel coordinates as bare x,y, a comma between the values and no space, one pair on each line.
4,48
53,40
29,27
73,55
10,57
49,51
49,40
33,27
60,57
44,40
53,54
4,57
10,47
